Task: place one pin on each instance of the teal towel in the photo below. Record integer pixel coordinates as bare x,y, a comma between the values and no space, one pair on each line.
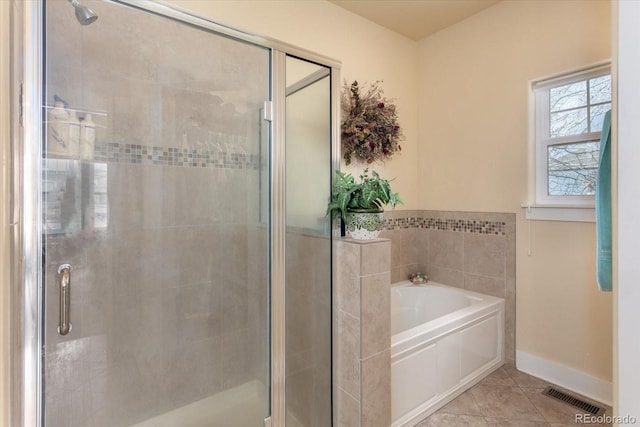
603,208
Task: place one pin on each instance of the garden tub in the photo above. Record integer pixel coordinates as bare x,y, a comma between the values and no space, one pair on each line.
443,341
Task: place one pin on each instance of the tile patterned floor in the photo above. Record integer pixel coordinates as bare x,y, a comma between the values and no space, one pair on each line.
506,398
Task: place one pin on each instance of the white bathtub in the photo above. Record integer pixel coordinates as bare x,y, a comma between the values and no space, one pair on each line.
443,341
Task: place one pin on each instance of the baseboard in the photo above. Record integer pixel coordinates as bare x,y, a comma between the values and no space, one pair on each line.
566,377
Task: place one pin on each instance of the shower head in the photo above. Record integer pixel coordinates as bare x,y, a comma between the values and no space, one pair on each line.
84,15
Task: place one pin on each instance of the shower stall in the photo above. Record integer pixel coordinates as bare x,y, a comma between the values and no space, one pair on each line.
173,257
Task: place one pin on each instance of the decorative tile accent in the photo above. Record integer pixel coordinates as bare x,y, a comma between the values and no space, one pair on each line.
115,152
467,226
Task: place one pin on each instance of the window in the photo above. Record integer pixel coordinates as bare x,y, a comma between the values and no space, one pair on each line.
569,113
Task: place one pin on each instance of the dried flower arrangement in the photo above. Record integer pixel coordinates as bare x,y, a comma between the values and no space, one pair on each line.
370,130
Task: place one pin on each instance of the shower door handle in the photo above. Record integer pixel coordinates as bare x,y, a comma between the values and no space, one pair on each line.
64,272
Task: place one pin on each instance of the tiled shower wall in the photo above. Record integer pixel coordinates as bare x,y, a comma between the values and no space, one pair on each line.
168,308
470,250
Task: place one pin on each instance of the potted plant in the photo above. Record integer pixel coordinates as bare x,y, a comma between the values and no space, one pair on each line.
361,204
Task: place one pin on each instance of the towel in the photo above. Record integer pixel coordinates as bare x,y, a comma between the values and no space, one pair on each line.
603,208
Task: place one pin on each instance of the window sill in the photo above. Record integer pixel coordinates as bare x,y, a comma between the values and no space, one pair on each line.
560,213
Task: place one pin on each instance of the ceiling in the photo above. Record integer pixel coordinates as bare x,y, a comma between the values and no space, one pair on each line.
415,19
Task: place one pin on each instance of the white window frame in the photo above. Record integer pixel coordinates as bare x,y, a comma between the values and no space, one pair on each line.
542,206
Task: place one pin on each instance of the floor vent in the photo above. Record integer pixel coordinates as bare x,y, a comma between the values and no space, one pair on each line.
573,401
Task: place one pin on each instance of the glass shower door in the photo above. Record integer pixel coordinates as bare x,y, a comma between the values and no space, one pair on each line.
155,253
308,244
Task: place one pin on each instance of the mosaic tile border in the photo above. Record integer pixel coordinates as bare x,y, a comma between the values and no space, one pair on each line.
467,226
115,152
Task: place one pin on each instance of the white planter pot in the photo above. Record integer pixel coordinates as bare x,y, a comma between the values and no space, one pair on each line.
364,225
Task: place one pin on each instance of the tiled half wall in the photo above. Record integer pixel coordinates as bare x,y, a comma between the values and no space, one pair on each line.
362,333
470,250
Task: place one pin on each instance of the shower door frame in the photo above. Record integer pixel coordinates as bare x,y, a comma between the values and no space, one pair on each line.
27,63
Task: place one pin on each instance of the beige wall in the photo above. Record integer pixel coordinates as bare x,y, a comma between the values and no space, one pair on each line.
368,52
473,91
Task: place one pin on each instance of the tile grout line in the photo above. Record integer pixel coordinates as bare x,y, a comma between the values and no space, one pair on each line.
475,401
527,397
464,270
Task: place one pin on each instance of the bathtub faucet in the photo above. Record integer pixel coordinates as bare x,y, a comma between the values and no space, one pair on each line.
418,278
